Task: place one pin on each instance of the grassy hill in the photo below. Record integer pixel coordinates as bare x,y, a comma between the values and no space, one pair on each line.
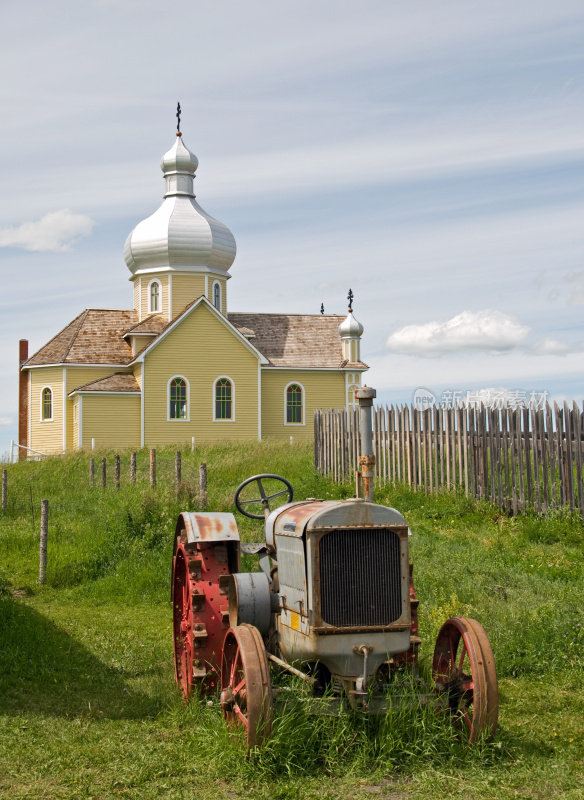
88,706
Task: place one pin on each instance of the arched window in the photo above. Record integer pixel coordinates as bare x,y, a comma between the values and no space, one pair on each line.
178,398
154,297
47,403
217,295
351,401
224,400
294,404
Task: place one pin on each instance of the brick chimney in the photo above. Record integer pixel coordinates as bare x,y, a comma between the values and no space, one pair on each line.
23,379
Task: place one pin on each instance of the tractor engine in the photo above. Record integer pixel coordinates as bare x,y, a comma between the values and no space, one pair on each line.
338,592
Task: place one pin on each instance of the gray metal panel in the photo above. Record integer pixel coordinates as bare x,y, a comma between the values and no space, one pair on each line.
291,566
354,513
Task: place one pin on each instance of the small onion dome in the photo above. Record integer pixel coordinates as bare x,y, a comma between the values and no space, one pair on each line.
179,159
350,326
180,234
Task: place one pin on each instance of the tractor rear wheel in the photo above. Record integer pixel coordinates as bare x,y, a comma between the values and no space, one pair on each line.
246,688
200,613
464,672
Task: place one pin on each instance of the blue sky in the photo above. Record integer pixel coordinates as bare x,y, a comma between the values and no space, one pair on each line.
429,155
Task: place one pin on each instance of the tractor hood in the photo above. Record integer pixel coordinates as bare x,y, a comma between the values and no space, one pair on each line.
294,519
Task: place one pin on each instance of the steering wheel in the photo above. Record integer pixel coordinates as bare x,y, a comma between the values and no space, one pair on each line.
264,498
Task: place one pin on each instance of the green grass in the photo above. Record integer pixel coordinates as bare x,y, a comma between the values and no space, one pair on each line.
88,704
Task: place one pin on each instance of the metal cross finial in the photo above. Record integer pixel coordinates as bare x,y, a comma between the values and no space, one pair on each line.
350,299
322,308
178,119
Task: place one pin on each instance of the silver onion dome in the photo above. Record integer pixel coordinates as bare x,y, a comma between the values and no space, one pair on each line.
180,235
350,326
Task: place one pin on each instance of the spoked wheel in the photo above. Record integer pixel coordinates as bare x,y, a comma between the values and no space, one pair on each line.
200,613
464,671
246,689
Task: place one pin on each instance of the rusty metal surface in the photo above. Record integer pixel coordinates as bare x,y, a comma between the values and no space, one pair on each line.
354,514
207,527
200,610
331,629
464,673
367,476
292,520
246,689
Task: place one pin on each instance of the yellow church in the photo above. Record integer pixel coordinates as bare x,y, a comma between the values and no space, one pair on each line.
179,364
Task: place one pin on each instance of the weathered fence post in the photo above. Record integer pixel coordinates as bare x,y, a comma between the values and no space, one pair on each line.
192,444
132,467
4,488
153,467
43,542
203,486
92,471
177,470
103,473
117,472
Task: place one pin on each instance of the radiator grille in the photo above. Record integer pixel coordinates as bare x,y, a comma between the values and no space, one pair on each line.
360,581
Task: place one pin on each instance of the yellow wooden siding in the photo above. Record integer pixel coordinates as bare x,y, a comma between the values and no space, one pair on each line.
321,390
75,425
200,349
80,376
136,289
44,435
112,420
185,289
145,294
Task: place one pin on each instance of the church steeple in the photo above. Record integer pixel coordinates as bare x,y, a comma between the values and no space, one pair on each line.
351,331
180,247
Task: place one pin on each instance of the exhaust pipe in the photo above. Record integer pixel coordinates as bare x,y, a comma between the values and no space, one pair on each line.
365,477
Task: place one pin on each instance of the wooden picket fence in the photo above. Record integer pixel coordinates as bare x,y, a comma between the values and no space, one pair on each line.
516,457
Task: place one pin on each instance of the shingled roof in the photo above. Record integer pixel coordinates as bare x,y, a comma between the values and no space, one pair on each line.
118,382
154,324
296,340
97,336
94,337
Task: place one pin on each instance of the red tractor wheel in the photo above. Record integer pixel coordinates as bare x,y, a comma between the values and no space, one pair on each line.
464,671
200,613
246,689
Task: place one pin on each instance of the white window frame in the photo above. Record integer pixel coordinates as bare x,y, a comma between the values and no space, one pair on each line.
188,416
150,285
51,418
232,382
294,424
218,285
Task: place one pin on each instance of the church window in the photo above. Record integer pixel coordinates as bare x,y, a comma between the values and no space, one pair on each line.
217,295
351,400
178,398
294,404
154,297
47,404
223,399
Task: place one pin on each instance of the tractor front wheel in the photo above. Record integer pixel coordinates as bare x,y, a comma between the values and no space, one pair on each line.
464,673
246,689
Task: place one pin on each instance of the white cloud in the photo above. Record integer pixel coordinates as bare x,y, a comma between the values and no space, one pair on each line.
486,330
55,231
4,421
552,347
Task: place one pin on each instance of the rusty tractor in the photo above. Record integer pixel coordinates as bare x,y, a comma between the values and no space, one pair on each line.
333,602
